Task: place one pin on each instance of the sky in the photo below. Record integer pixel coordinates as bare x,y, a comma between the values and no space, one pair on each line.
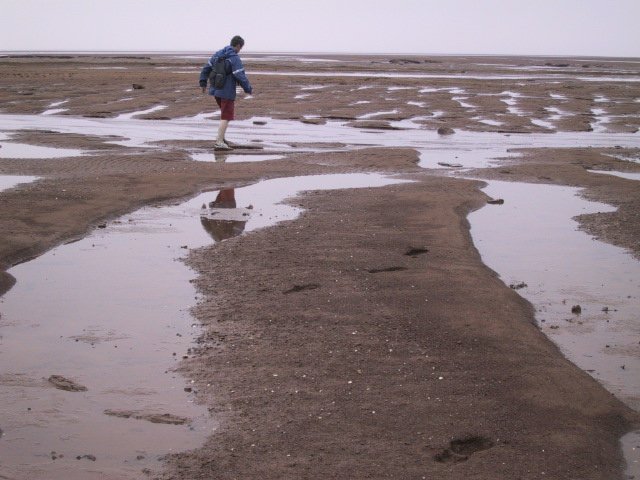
525,27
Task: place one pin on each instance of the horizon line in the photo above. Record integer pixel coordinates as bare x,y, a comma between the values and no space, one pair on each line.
283,52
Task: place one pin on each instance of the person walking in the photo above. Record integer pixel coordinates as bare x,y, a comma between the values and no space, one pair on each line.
226,95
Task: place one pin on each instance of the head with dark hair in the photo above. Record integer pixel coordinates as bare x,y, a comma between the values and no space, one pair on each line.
237,41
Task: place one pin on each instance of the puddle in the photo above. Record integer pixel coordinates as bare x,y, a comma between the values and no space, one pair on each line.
627,175
543,123
111,313
530,239
104,68
487,121
631,449
624,158
108,312
376,114
130,115
556,113
23,150
600,120
54,111
57,104
312,87
10,181
461,101
511,102
462,158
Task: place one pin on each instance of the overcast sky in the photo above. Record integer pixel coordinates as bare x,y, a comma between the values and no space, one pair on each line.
535,27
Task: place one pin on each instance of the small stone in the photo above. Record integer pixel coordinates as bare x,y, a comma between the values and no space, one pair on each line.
63,383
166,418
446,131
137,86
577,309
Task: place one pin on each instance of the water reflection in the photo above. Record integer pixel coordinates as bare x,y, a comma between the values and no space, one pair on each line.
230,157
223,220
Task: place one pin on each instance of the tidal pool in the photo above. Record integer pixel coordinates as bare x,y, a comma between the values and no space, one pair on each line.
23,150
10,181
625,175
586,293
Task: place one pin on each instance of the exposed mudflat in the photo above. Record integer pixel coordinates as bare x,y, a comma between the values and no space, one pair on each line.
365,338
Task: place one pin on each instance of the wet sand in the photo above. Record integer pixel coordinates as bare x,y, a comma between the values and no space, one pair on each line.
366,339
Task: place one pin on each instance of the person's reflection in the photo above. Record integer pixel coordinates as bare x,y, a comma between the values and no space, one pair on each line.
223,228
220,157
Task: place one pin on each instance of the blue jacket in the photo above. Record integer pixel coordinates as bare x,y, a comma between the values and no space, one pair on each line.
237,75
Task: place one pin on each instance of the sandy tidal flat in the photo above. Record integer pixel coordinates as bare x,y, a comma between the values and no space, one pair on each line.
349,333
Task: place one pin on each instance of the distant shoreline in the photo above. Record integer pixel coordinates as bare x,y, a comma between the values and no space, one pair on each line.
5,53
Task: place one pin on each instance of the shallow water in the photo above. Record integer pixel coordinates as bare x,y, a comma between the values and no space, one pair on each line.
543,123
631,449
625,175
549,77
22,150
54,111
130,115
280,135
10,181
531,240
108,311
111,312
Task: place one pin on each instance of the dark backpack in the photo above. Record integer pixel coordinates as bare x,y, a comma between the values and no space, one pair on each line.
219,73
